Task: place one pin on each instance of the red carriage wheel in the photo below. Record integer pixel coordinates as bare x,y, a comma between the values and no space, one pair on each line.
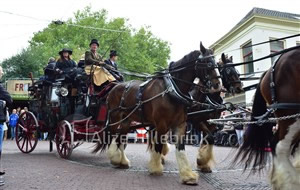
26,132
64,139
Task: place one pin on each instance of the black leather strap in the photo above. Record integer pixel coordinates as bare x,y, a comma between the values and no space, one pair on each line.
275,106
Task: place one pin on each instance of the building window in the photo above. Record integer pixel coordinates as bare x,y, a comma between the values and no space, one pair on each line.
276,47
248,56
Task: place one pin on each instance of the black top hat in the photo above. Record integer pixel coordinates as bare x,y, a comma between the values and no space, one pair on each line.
113,53
94,41
65,50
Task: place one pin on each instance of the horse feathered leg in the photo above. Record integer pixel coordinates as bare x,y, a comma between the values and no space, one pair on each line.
205,158
114,153
155,163
125,163
187,176
165,151
284,176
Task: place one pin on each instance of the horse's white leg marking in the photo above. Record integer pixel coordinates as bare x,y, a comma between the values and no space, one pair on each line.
114,153
284,175
125,163
205,158
155,165
164,152
187,176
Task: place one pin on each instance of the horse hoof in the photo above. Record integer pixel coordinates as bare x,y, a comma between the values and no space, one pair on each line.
156,173
122,166
193,182
115,163
205,170
191,179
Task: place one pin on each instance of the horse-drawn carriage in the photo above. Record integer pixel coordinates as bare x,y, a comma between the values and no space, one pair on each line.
68,113
165,103
160,103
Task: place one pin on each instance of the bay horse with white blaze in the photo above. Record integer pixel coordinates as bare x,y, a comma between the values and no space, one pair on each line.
161,110
278,90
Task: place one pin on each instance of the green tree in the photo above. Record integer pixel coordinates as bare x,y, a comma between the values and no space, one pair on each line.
139,49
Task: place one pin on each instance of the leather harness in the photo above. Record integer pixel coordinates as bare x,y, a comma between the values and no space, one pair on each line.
275,105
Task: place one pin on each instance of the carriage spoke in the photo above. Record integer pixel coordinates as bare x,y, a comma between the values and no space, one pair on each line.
23,142
30,143
27,144
65,150
62,147
20,138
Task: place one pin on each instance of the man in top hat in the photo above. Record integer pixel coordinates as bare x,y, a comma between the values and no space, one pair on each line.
113,57
95,65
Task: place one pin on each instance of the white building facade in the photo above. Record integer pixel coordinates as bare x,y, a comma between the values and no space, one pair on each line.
259,25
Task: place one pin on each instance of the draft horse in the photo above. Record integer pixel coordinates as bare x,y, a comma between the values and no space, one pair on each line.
232,83
161,111
278,91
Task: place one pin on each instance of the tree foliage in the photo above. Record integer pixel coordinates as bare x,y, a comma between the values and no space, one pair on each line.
138,49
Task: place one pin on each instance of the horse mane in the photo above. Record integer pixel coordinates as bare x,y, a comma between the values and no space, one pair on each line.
191,57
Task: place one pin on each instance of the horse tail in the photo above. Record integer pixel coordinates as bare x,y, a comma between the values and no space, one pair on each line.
103,142
257,138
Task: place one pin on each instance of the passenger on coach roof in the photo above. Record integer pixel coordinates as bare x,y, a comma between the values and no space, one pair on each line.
95,65
113,57
65,63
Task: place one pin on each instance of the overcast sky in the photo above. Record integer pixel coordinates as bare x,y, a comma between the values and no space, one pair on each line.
183,23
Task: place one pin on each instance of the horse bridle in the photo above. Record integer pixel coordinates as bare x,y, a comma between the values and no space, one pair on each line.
226,72
203,66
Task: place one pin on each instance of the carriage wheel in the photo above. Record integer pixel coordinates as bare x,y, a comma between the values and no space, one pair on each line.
64,139
26,132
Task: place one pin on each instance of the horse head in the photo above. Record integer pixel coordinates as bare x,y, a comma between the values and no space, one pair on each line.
206,70
230,76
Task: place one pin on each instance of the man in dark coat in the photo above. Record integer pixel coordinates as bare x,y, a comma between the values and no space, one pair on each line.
113,57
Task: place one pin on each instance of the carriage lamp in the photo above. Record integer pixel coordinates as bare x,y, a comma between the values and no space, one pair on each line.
61,91
64,91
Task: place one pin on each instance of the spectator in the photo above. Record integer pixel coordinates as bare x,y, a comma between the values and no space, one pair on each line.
239,129
13,120
5,124
5,99
18,110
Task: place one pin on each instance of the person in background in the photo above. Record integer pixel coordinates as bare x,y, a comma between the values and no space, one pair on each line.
5,128
5,100
13,120
18,110
81,61
239,129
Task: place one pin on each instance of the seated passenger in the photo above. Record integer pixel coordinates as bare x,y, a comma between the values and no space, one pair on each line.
113,57
95,66
65,64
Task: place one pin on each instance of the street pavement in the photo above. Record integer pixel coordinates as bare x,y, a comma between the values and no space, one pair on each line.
42,169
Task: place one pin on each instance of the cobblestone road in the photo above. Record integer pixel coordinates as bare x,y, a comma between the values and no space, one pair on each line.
44,170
